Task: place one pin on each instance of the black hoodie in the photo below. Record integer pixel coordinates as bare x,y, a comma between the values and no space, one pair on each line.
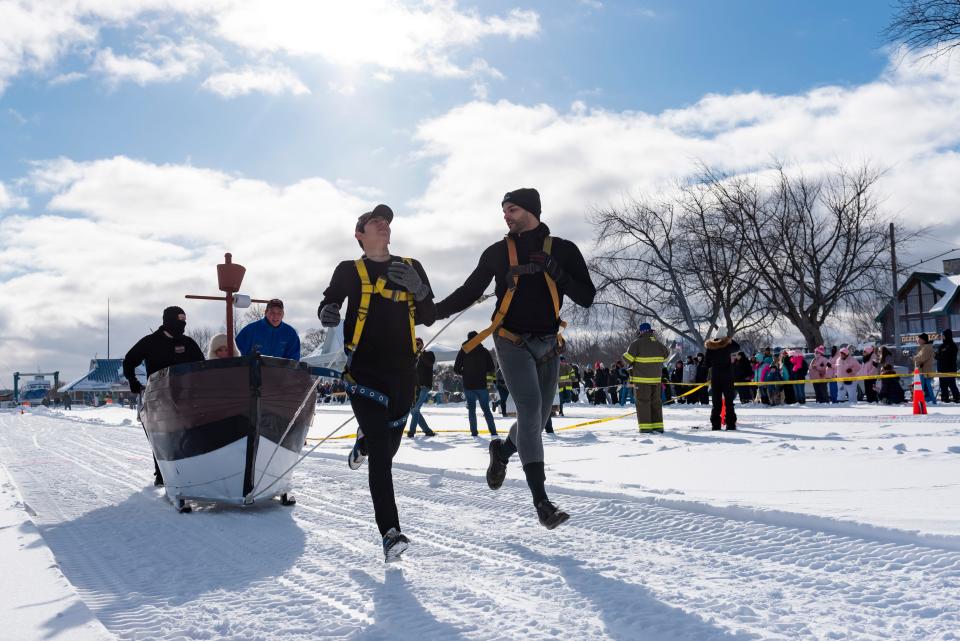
474,367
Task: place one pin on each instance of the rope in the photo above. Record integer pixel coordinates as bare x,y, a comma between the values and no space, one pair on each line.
297,462
441,330
296,415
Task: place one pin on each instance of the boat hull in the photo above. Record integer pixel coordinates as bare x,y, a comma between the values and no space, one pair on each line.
215,425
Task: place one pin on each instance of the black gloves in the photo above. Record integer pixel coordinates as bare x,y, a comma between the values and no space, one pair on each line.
408,278
550,265
135,386
329,315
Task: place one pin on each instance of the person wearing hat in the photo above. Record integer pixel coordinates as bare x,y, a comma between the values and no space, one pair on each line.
425,362
270,336
165,347
387,296
219,347
870,367
924,361
533,271
645,357
476,369
847,366
947,364
719,359
820,370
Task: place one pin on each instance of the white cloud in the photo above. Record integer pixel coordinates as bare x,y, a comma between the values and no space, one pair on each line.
387,34
9,201
147,234
344,89
273,81
67,78
162,62
157,230
390,35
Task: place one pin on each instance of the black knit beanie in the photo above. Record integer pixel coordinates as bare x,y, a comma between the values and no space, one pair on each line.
525,197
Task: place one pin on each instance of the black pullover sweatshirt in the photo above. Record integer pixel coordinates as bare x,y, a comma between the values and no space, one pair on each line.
531,311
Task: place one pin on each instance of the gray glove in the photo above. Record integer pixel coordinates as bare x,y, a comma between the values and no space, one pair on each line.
329,315
408,278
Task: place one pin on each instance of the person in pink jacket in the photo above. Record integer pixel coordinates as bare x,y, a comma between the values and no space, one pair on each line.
847,365
870,367
820,369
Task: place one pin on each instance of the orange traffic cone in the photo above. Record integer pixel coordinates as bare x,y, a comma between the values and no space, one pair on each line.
723,411
919,402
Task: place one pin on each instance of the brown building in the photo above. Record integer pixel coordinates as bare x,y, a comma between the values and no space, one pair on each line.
927,302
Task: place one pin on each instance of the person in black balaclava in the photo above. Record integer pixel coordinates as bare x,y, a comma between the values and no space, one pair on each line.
165,347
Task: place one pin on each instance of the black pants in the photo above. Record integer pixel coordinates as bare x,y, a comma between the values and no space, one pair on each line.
869,391
747,393
382,440
948,385
821,392
704,393
720,391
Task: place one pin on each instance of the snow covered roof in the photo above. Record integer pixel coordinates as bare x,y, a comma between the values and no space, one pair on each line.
949,286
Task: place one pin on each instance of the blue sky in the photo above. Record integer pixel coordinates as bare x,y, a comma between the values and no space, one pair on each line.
141,140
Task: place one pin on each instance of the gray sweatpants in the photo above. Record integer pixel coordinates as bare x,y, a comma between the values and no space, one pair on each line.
532,387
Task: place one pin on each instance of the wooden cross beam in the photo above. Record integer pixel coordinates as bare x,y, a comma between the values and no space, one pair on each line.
229,278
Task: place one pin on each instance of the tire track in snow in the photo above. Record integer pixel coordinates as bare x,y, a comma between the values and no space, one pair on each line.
620,569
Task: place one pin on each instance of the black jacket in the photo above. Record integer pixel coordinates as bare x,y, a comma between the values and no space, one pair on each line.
386,342
474,367
531,310
157,350
743,370
947,357
425,369
717,359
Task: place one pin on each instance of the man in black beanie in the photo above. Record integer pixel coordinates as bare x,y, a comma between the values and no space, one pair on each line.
165,347
533,272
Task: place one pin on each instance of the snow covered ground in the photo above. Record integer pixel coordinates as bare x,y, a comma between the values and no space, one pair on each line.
807,523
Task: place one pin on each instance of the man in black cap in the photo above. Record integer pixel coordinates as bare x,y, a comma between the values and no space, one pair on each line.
165,347
386,297
533,272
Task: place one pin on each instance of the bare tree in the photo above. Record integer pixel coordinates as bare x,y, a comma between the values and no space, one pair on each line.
312,339
814,247
202,336
932,25
672,261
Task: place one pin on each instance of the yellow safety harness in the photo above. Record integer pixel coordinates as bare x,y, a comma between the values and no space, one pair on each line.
367,289
513,280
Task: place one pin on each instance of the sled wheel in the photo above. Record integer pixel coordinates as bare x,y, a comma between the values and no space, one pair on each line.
182,507
287,499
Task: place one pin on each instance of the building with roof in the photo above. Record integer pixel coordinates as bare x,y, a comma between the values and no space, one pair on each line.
105,379
926,303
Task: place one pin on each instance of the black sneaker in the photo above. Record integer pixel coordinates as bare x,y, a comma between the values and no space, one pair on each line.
497,469
550,515
394,544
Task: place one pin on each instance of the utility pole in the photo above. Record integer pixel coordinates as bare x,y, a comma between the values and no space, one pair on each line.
108,328
896,310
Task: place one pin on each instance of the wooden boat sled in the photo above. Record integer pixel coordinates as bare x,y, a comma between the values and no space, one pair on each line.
216,427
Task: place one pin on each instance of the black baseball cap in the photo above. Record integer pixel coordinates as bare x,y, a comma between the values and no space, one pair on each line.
275,302
380,211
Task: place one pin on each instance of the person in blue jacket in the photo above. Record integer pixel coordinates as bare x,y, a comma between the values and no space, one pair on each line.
270,336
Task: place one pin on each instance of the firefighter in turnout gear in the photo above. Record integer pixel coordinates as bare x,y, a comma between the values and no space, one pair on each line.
645,358
565,383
